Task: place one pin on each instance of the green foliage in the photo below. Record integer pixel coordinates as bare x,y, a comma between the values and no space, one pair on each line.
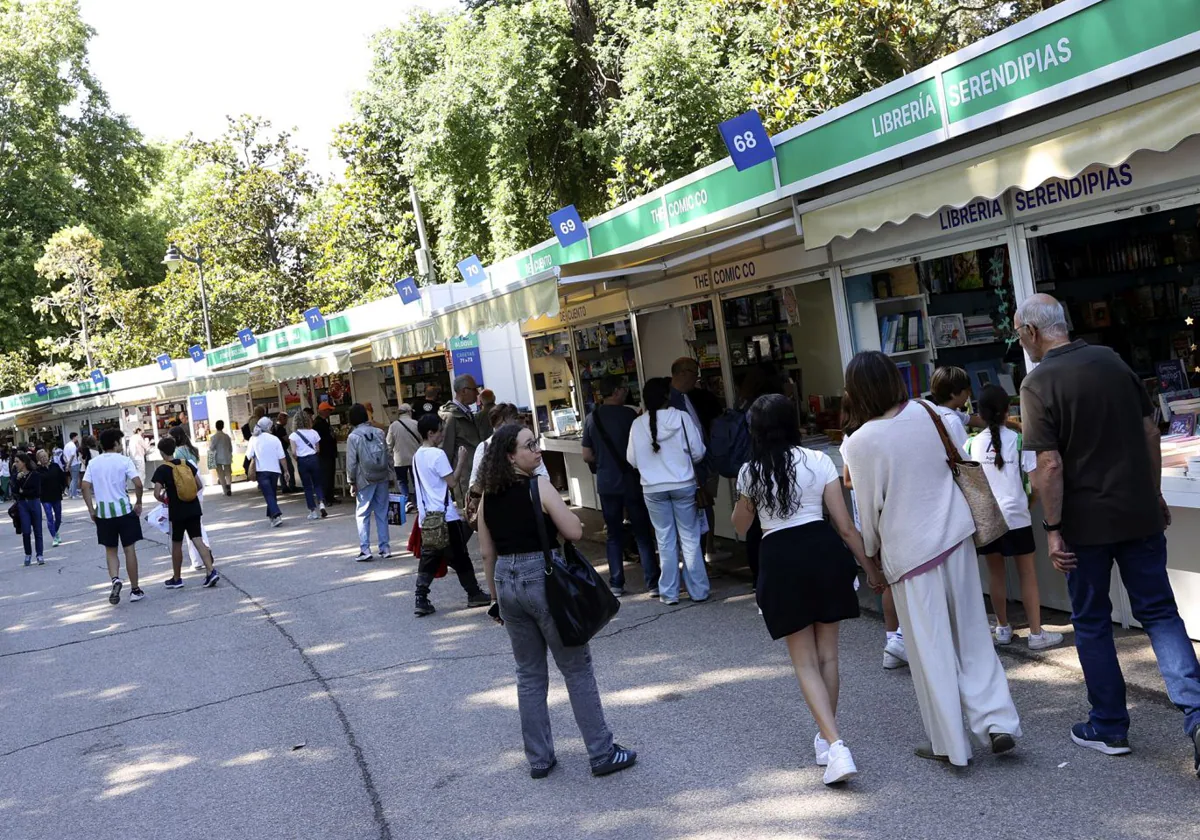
65,157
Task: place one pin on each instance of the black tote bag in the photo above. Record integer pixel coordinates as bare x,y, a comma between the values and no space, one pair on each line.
580,601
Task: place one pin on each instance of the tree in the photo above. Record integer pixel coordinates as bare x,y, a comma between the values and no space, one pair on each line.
65,157
81,286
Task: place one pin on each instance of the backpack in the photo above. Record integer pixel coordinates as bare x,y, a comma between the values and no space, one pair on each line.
729,442
372,457
186,489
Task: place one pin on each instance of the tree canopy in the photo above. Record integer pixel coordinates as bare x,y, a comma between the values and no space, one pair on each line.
496,115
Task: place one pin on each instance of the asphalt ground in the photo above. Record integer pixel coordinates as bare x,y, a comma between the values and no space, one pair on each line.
302,698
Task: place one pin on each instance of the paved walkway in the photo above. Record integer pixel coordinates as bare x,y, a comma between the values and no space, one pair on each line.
302,698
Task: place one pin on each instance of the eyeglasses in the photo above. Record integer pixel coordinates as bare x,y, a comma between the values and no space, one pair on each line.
533,446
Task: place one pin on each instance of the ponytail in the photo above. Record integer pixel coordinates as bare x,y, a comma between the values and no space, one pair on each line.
994,428
655,396
993,408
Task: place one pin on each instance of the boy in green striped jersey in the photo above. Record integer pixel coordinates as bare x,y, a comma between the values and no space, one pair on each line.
117,521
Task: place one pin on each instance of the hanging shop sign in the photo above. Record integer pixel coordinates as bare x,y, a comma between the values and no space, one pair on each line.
314,318
747,140
407,289
164,361
246,338
577,313
979,214
40,389
196,352
1143,171
726,275
567,226
472,270
198,408
464,358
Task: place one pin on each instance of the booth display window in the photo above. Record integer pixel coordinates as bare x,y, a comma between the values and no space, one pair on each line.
947,310
1131,285
416,374
700,332
605,349
553,380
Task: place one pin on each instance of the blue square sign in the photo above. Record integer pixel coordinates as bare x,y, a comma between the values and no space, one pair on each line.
164,361
314,318
747,140
247,339
568,227
407,289
41,389
98,377
196,352
472,271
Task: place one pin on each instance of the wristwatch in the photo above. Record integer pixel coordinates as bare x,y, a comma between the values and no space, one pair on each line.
1047,527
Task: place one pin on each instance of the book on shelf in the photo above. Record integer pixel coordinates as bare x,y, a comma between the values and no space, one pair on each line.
1172,375
979,329
764,310
948,330
902,332
1178,450
1182,425
916,377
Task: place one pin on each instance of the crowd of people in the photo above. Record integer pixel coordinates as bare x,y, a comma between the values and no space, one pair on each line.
474,465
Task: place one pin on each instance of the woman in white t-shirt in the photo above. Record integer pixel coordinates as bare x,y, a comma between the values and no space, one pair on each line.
1005,465
306,443
806,572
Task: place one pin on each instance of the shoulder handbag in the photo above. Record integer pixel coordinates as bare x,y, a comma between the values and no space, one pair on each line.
580,602
435,531
704,499
972,481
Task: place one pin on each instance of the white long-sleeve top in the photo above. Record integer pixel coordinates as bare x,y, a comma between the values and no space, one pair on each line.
909,507
670,468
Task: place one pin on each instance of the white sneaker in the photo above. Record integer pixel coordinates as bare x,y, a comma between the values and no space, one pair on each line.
277,521
841,766
312,514
1002,634
821,748
363,557
1047,639
894,654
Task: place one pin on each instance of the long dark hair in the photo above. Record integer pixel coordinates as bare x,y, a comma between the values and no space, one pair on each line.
774,433
183,440
993,408
655,395
874,385
496,473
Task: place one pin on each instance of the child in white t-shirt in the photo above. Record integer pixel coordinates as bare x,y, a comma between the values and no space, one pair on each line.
1005,465
950,388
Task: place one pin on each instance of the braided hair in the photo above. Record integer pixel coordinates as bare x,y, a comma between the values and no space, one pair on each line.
655,396
993,408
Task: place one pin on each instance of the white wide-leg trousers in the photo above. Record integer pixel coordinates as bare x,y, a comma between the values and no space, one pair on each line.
955,669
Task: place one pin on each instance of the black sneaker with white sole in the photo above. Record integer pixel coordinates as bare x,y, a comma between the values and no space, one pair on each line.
423,607
1085,735
618,759
114,597
136,594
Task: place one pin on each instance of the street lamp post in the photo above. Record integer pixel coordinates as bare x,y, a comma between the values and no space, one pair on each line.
172,261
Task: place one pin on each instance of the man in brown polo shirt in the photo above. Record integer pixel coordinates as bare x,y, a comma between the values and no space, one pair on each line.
1087,415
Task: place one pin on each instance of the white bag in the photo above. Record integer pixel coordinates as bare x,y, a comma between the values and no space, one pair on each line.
157,518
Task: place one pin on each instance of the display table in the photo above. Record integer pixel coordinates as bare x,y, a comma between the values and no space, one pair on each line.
581,484
1183,539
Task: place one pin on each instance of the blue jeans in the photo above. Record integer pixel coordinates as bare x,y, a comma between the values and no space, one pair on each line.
31,521
53,516
73,491
677,523
614,507
372,499
268,485
310,475
402,475
1143,567
521,593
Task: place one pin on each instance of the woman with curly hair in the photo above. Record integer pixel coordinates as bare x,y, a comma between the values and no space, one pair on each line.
514,565
807,569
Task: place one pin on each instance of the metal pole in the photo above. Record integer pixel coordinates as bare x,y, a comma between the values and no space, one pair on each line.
420,219
87,347
203,301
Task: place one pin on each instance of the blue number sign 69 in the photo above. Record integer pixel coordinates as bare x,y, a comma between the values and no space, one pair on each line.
568,227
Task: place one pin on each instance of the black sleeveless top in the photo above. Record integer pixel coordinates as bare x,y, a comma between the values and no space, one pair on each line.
509,517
